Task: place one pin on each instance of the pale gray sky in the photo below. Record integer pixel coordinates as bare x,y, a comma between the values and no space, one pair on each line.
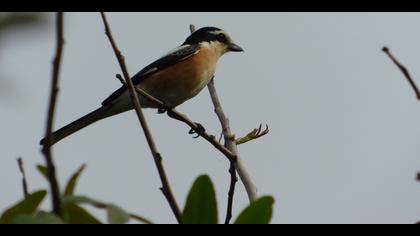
343,145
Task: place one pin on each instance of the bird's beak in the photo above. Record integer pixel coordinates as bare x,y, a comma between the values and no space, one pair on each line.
234,48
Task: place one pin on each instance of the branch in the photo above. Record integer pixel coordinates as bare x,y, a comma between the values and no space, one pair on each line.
230,140
235,165
231,193
166,189
404,71
52,179
24,182
230,143
410,80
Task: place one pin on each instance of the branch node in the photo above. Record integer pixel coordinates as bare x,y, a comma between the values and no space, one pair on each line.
120,78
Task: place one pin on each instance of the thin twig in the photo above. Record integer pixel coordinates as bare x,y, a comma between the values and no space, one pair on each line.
230,143
220,137
404,71
52,179
410,80
24,181
166,189
143,93
231,193
230,140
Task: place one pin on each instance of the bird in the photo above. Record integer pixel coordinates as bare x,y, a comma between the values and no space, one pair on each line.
174,78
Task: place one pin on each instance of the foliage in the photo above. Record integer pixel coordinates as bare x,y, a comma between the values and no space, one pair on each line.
200,207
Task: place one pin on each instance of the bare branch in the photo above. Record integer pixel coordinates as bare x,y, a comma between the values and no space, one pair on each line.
410,80
231,193
404,71
52,179
236,163
24,181
166,189
230,143
254,134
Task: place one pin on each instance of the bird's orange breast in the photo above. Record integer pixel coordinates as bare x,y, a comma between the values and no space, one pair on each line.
182,81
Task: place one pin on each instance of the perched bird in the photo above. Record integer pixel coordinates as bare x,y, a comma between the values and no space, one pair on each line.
173,79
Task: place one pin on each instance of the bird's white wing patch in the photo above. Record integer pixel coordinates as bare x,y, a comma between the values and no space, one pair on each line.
181,50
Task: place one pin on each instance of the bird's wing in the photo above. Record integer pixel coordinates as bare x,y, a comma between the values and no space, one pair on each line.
175,56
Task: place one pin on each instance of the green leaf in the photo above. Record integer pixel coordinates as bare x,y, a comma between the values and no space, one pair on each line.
82,200
74,214
71,185
43,170
201,206
116,215
259,212
40,218
27,206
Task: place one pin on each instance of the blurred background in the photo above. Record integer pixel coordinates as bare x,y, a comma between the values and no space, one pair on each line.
343,144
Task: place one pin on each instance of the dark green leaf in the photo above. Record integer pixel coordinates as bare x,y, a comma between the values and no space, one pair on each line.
116,215
201,206
27,206
71,185
40,218
74,214
259,212
43,170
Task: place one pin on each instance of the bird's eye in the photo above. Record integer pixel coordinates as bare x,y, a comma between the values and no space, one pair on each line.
222,38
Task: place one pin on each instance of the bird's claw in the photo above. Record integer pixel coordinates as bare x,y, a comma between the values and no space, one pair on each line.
164,108
199,131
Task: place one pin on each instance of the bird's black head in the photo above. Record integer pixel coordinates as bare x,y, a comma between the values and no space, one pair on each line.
213,34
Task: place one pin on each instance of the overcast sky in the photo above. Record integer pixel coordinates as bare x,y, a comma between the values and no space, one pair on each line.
344,124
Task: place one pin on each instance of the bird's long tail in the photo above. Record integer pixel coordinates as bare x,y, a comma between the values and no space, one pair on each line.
78,124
